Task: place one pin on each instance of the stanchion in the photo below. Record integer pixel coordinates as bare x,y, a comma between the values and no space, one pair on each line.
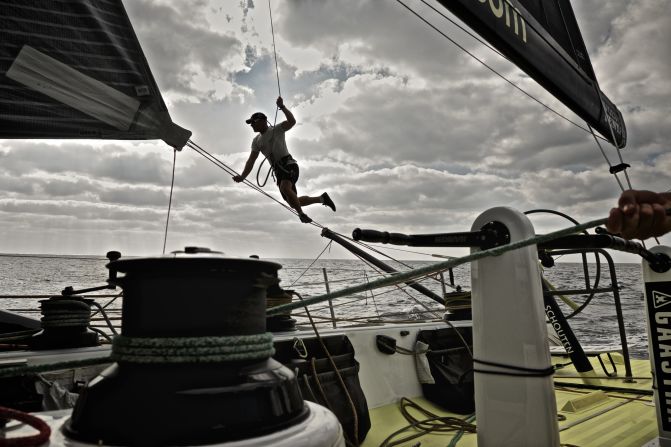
514,396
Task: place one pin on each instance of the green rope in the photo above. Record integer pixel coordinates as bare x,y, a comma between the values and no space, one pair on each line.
62,312
192,349
435,268
165,350
461,433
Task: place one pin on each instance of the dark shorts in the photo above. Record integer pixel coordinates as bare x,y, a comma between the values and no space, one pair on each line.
287,169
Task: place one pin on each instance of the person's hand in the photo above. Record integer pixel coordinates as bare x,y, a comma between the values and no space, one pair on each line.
280,102
640,215
238,178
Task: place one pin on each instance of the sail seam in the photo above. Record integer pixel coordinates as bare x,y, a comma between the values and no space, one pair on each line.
62,13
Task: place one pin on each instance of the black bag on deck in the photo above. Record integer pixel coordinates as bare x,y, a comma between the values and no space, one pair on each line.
319,382
452,369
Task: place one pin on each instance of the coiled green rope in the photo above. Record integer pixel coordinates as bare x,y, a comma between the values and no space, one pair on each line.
192,349
65,313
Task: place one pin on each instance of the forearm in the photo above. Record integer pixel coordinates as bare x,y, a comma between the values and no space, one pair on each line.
290,116
248,168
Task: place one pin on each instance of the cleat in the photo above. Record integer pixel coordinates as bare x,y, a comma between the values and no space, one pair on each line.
304,218
328,202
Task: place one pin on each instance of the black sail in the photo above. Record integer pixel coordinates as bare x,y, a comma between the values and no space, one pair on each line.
75,69
542,38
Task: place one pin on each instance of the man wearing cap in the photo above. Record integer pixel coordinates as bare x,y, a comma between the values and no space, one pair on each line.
270,141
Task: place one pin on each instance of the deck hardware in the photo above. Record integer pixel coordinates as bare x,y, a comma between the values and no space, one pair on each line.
385,344
618,168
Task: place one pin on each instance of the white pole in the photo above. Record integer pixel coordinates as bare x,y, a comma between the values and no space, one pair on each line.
509,329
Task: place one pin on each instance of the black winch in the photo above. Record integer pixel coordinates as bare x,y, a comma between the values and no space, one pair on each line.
66,318
193,362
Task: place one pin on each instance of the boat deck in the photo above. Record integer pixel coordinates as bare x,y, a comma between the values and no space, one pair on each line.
614,412
589,417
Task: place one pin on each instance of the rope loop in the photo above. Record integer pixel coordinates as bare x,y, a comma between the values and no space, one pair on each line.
512,370
192,349
61,312
44,431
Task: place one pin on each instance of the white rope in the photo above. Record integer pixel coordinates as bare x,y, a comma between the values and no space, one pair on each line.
277,71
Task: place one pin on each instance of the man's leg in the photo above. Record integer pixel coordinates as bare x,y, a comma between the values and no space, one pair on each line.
307,200
324,199
289,194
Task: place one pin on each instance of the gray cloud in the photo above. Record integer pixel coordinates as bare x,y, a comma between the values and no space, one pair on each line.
405,131
180,45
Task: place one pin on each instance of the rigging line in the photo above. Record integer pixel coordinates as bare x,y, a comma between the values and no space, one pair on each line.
372,296
74,257
606,158
494,71
277,70
406,251
362,244
313,263
191,144
335,370
603,107
272,30
231,172
172,185
398,286
359,298
466,30
440,266
370,247
626,175
619,154
368,317
210,157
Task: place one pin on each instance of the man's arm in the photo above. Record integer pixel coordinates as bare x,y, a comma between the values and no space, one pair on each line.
640,215
289,123
249,165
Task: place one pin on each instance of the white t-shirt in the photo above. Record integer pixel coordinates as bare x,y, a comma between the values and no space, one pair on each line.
271,143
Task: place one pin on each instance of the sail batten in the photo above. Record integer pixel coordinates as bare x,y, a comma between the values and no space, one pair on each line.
74,69
542,37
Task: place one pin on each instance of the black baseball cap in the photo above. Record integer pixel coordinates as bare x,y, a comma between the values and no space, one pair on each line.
256,116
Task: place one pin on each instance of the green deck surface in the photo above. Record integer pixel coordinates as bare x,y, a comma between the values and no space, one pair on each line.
613,420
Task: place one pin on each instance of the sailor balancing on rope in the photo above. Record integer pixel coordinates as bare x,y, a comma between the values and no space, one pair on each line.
270,141
640,215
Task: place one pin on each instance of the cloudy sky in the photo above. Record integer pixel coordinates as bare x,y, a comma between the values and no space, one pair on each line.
405,131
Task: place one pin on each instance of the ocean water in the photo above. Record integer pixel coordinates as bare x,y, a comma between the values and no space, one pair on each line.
23,279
